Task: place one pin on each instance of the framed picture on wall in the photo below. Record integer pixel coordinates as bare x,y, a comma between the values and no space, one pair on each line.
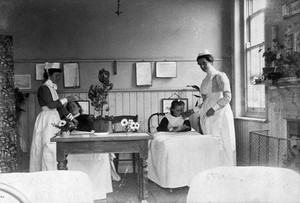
166,104
85,106
71,75
166,70
297,41
39,71
23,81
143,74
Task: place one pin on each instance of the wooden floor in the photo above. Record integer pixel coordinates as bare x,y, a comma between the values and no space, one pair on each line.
126,191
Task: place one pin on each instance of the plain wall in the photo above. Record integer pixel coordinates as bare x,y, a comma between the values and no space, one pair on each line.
92,34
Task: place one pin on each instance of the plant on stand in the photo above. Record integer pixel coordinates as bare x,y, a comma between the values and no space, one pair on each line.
98,94
199,103
281,64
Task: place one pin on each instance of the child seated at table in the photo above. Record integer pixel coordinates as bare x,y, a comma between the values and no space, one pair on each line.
173,121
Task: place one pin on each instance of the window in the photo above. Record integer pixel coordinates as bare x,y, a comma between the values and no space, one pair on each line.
255,41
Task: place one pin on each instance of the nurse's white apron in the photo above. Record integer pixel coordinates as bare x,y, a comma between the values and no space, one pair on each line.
221,124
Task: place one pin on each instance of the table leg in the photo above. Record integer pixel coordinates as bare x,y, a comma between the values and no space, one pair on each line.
143,180
62,165
61,159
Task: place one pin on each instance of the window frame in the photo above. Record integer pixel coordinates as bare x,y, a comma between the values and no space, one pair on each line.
256,112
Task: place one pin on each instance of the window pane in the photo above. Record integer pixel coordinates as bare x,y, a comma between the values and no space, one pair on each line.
258,4
257,29
256,93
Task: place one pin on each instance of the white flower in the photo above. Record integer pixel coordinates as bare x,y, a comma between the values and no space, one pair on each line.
130,121
133,126
62,123
124,122
137,125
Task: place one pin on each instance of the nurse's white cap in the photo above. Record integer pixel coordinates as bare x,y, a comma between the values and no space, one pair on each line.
52,66
204,52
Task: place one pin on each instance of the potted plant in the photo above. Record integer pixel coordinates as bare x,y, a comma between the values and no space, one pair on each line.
290,65
195,95
270,58
98,94
199,99
281,64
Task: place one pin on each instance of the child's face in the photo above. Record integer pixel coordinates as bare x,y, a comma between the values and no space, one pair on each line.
74,109
178,110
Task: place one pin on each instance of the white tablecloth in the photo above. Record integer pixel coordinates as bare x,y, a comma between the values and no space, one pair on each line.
97,167
176,158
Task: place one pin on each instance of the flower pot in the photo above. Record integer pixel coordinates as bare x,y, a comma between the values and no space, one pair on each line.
268,70
274,77
101,124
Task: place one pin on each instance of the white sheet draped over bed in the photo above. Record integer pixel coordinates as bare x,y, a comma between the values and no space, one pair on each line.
176,158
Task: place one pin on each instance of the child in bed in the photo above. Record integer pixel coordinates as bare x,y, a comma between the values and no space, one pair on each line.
173,121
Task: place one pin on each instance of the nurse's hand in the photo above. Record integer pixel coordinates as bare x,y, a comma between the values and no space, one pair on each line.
187,113
75,122
210,112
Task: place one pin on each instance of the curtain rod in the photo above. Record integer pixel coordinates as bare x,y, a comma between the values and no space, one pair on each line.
107,60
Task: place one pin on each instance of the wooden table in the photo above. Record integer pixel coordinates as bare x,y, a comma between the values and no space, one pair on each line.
84,143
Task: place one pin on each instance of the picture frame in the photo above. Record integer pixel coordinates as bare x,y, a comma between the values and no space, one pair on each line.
85,106
166,70
297,41
143,74
289,10
71,75
39,71
166,104
23,81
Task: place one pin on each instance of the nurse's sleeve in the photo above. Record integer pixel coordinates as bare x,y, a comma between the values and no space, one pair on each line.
224,86
46,99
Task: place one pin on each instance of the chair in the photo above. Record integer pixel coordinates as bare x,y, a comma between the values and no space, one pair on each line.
116,127
245,184
154,120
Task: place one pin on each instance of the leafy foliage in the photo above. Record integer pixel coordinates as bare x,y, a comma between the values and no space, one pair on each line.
21,98
198,89
98,93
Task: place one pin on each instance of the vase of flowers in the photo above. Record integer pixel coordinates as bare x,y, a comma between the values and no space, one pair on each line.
129,125
98,94
64,127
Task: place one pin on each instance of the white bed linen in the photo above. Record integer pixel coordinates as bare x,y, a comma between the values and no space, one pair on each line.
176,158
257,184
49,187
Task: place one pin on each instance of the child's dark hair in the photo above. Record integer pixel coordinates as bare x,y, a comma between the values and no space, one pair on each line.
176,102
77,103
